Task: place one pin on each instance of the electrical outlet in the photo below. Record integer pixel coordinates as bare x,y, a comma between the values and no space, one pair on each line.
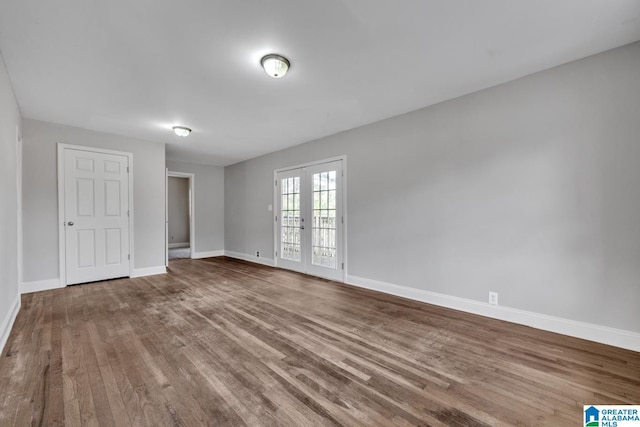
258,254
493,298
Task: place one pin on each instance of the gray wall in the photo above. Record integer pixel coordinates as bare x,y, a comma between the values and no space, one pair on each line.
178,209
208,204
40,195
530,189
9,121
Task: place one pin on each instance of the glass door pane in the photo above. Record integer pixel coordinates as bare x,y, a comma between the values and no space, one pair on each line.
324,184
323,242
290,224
289,220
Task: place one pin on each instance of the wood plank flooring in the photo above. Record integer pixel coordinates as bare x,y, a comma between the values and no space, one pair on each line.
223,342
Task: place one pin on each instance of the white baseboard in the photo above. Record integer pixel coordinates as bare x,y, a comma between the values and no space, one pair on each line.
40,285
45,285
8,321
588,331
250,258
179,245
149,271
206,254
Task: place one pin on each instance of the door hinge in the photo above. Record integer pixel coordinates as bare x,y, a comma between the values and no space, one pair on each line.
129,257
342,219
276,218
343,265
276,254
127,169
276,184
127,213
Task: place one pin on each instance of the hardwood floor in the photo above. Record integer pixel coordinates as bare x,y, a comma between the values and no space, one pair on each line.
224,342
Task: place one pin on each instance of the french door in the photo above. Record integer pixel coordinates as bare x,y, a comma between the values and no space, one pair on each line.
310,220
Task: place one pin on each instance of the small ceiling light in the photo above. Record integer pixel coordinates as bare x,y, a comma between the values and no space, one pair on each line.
275,65
181,131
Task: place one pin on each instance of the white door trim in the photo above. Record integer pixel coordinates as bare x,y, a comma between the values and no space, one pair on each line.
61,197
166,217
19,201
305,165
276,195
192,211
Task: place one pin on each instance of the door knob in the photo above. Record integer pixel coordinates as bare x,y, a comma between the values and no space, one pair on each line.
302,227
70,223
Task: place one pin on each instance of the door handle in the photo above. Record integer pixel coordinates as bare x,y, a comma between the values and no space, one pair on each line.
70,223
302,227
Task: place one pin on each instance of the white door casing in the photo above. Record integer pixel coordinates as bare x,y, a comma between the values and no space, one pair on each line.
19,201
95,214
309,219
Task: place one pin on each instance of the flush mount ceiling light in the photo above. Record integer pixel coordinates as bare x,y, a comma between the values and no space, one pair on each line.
275,65
181,131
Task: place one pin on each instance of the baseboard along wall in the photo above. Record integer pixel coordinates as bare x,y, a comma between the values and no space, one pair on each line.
588,331
46,285
251,258
207,254
179,245
8,321
149,271
40,285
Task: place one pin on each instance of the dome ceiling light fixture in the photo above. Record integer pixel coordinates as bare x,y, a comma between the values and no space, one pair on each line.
181,131
275,65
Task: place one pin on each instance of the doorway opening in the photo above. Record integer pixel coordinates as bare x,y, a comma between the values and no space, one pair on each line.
179,216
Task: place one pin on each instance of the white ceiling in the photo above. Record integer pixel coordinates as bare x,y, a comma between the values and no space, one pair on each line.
137,67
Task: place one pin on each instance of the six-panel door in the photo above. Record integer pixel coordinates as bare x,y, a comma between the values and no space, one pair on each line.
96,206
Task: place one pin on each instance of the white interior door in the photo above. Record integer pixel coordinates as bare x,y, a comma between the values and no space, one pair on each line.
310,220
96,216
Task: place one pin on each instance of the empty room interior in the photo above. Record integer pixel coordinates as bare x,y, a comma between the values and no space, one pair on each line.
341,212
